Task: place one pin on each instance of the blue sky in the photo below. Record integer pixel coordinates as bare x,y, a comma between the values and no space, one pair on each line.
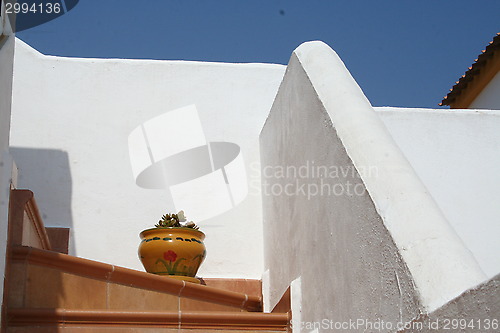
401,53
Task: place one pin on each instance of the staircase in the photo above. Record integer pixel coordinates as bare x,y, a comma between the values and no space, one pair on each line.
48,291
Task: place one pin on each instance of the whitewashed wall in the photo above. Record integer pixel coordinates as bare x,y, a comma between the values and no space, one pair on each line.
6,66
489,98
70,133
457,155
364,238
476,310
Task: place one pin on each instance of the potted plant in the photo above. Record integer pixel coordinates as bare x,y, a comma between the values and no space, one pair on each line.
173,248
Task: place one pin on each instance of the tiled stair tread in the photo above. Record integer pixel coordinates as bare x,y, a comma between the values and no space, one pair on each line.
133,278
194,320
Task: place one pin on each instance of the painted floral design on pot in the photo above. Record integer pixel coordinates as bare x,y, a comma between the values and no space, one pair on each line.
173,265
169,256
170,262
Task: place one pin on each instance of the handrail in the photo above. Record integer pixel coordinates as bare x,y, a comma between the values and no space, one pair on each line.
23,208
133,278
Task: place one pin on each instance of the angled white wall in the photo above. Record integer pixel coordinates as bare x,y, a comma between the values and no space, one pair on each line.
456,155
72,119
344,210
475,310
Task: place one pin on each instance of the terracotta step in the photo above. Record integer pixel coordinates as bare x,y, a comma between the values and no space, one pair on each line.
45,279
52,292
49,320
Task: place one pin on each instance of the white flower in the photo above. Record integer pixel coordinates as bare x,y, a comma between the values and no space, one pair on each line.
181,216
190,224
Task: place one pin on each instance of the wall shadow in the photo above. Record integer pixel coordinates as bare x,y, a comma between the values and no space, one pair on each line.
46,172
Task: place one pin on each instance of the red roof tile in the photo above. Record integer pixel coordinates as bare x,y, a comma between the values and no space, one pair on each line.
471,77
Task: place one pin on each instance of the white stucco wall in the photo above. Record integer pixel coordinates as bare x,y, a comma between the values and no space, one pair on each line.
6,66
476,310
387,253
456,154
489,98
318,230
70,129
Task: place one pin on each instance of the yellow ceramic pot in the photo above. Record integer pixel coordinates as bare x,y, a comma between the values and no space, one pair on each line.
175,252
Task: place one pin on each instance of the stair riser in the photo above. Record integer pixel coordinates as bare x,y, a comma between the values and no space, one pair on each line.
197,320
70,329
36,286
